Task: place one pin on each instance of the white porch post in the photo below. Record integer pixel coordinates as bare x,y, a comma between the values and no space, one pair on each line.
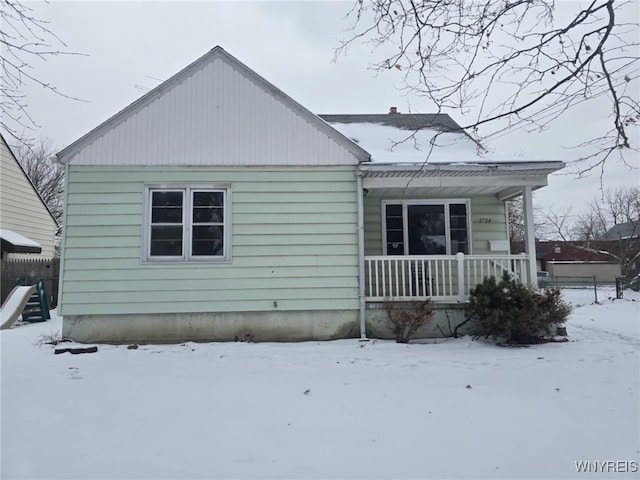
460,261
529,235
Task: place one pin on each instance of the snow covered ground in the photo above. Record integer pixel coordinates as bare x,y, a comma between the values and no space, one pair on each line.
342,409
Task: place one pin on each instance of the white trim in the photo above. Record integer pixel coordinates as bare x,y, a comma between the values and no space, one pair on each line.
529,235
405,222
187,207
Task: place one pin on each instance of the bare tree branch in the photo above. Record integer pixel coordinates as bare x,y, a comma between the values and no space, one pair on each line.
24,39
46,176
512,60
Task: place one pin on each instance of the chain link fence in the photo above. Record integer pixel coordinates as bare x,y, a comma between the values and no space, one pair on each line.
578,291
628,288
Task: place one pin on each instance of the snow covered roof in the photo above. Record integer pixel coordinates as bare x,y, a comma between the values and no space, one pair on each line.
13,242
409,138
432,154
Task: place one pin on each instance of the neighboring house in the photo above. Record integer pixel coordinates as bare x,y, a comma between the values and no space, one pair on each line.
623,240
623,231
576,259
27,228
215,205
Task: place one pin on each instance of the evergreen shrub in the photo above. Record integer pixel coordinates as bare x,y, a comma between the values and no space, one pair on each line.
513,313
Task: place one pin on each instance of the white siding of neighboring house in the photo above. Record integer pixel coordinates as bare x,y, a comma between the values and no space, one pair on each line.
21,209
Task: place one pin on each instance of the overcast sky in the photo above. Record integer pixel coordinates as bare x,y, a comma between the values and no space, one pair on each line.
131,46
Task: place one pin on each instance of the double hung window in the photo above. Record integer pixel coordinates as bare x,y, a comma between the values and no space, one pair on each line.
418,227
187,224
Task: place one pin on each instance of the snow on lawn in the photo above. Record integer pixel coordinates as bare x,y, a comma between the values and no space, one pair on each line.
342,409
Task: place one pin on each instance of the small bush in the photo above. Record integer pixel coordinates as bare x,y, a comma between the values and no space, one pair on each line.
514,313
53,338
405,318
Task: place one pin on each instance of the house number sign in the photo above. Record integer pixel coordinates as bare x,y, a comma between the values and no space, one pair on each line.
484,220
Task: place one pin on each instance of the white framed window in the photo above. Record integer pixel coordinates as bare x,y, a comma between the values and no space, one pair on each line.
426,227
187,223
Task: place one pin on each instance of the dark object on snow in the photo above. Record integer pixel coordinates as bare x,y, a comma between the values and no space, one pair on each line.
74,349
132,347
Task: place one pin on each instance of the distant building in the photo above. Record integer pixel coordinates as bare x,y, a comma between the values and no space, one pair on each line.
576,259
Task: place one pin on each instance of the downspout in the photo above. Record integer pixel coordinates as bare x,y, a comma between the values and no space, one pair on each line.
361,279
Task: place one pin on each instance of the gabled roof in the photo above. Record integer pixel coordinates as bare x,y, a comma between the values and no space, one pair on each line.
217,53
622,231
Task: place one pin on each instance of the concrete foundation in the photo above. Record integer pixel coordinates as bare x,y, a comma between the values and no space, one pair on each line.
447,317
282,326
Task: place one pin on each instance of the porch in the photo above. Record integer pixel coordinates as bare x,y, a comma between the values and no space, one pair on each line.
441,278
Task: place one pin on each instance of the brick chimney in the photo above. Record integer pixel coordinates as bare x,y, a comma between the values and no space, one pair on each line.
393,110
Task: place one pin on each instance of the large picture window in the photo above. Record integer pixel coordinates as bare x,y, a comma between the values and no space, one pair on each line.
415,227
187,224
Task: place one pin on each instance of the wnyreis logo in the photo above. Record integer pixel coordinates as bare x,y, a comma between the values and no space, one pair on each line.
606,466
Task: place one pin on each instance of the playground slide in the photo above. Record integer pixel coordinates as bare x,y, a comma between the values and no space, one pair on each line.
14,304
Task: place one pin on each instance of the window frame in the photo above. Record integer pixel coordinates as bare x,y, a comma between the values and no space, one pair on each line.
405,222
188,190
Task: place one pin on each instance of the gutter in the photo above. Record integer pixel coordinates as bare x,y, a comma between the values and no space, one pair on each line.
545,166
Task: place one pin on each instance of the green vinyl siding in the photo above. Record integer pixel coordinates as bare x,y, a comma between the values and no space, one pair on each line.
293,244
488,222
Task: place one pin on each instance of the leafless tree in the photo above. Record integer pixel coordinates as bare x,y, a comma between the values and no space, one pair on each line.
515,214
47,176
24,40
555,223
513,61
616,207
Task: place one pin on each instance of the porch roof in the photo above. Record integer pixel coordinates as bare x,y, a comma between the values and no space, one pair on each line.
505,179
13,242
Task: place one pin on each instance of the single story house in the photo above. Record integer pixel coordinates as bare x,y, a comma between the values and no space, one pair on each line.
215,205
27,227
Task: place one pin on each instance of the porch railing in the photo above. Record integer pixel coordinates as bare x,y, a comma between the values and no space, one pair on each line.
438,277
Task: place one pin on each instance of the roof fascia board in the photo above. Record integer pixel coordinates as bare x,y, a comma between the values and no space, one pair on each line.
216,52
459,181
494,167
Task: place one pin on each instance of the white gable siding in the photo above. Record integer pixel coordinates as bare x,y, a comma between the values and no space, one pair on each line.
21,210
214,114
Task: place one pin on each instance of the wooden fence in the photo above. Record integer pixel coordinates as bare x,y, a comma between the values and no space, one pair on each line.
30,271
